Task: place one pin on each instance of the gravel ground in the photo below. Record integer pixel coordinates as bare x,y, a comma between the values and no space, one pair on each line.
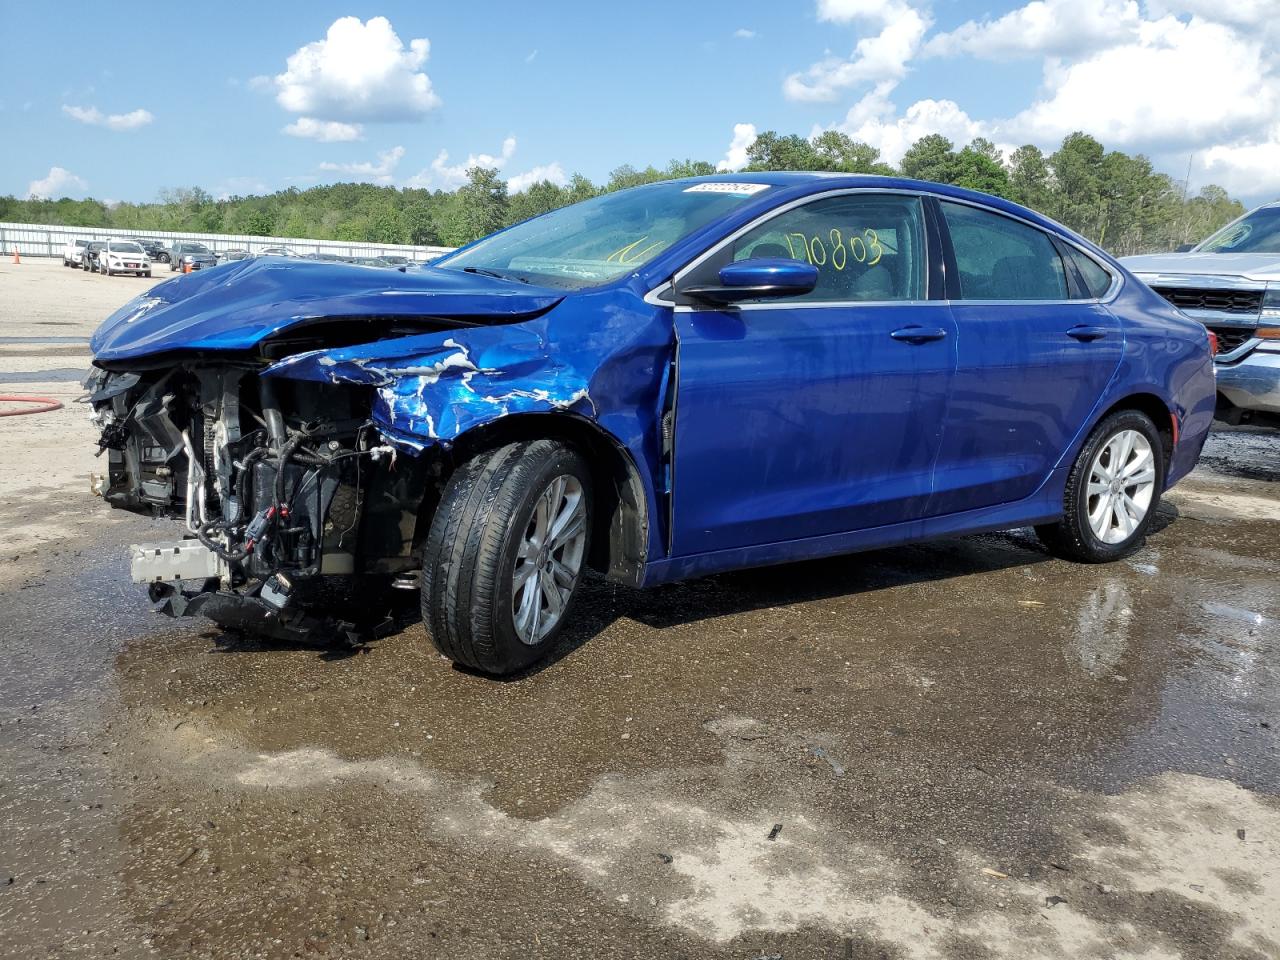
964,749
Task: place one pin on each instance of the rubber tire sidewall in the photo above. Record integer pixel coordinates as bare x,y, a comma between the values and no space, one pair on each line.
480,633
1076,536
504,630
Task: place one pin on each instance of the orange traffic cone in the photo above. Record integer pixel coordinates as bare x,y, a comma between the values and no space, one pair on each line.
186,268
16,258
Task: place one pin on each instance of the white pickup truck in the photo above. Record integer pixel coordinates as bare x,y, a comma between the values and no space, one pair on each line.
1231,284
73,253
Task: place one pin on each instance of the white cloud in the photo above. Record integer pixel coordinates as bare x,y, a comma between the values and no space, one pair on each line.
1043,28
846,11
1155,91
735,158
873,121
60,182
742,33
446,176
1246,168
533,55
550,171
326,131
378,172
115,121
359,72
883,56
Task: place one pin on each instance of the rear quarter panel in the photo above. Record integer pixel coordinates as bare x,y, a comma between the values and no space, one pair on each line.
1165,354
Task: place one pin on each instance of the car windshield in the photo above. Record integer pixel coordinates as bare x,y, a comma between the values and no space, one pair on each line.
197,248
124,246
1259,232
597,240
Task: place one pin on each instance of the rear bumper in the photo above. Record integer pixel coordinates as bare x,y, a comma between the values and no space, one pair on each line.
1253,383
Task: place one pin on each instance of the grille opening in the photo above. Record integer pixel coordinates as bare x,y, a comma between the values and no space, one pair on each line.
1243,302
1230,338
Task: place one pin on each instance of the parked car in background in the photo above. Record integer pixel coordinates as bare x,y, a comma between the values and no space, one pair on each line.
1231,283
371,262
237,253
394,260
277,252
186,253
156,250
659,383
73,253
123,256
89,255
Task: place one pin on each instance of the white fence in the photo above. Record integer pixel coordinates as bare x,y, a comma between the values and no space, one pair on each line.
41,240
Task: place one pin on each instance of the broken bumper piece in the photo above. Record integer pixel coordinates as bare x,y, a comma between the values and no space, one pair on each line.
261,610
261,607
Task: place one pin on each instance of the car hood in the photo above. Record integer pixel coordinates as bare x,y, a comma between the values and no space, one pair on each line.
1250,266
237,305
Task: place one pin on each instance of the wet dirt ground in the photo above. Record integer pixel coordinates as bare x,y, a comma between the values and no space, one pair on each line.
964,749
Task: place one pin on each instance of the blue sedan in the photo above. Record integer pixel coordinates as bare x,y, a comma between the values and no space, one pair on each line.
665,382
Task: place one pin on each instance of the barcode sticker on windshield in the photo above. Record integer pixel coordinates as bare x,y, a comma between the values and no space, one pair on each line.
737,189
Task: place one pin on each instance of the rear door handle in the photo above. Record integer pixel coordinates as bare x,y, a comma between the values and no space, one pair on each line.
918,334
1085,333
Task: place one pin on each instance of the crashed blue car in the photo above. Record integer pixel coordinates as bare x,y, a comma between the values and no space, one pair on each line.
660,383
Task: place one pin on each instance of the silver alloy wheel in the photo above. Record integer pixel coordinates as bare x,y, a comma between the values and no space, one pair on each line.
1122,483
549,559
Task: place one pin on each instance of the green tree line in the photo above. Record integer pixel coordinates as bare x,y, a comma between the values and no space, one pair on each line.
1116,199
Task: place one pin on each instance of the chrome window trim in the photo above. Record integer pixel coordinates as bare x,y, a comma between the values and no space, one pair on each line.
653,296
1116,281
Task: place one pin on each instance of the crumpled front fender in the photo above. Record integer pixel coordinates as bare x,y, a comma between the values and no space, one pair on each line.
432,388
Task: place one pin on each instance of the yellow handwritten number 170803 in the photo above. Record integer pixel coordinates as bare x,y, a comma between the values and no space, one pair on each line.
865,248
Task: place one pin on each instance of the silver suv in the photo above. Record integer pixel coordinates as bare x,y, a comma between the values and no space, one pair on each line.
186,253
1231,284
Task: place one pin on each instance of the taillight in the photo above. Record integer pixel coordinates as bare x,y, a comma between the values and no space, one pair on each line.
1213,342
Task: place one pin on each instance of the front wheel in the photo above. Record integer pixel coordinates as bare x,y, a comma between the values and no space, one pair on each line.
506,554
1112,492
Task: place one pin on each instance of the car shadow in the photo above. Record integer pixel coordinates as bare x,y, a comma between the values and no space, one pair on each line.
601,603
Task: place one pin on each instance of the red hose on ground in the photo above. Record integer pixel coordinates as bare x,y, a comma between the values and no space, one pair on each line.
42,404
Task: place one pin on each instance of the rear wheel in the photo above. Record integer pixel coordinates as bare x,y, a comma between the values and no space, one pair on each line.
506,554
1112,492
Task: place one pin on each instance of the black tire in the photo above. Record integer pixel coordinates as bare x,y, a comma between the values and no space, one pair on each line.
470,555
1072,538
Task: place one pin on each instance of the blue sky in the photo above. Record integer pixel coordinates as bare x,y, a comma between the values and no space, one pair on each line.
296,94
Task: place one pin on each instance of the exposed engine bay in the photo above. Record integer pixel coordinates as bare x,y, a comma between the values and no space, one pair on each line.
289,497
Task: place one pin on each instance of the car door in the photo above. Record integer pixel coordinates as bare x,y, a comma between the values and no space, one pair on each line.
1035,352
821,413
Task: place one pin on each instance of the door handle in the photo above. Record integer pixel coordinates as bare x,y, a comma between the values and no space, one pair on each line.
918,334
1086,333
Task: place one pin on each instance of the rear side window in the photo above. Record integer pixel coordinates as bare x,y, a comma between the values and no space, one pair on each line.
1096,280
999,258
867,247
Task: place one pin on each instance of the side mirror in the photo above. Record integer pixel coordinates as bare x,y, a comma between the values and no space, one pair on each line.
1185,248
757,278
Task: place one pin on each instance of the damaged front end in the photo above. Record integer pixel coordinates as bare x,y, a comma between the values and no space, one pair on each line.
286,490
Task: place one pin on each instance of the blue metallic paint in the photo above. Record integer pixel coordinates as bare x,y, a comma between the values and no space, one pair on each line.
799,432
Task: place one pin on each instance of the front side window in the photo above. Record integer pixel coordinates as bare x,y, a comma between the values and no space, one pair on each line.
999,258
867,247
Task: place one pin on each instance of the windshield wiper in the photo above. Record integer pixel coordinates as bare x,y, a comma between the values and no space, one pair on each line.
495,273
